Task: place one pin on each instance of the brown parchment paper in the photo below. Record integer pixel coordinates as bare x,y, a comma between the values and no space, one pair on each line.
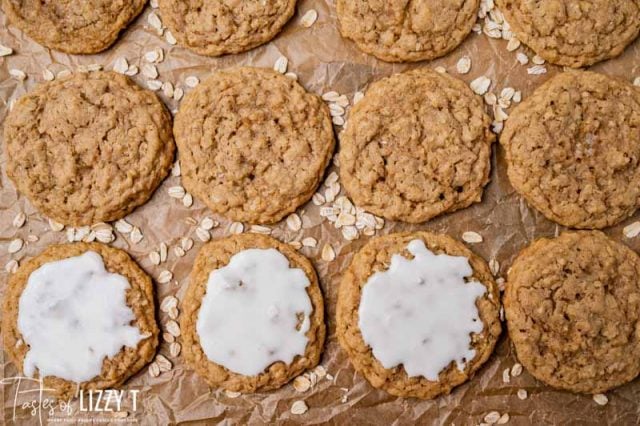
323,61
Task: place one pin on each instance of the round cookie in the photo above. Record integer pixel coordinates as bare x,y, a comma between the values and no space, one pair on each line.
220,27
401,31
574,33
376,256
253,144
73,26
573,149
88,148
417,145
216,255
139,298
572,305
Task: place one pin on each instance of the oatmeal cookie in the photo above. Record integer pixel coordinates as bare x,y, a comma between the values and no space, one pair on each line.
73,26
139,298
418,145
574,33
573,149
573,308
220,27
376,256
88,148
253,144
401,31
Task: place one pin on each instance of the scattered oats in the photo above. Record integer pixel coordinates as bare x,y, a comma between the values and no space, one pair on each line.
538,60
292,76
338,121
11,266
167,89
136,235
173,328
440,69
537,70
32,238
522,58
154,4
187,200
336,110
19,220
281,65
47,75
154,257
504,419
636,81
207,223
259,229
203,235
516,370
152,56
318,199
186,244
343,101
497,126
177,192
490,98
309,18
167,303
632,231
163,363
600,399
150,71
481,85
329,377
165,277
494,266
236,228
508,93
506,378
178,94
168,35
301,384
154,21
169,338
5,51
179,251
121,65
472,237
294,222
133,70
517,97
63,74
310,242
331,96
296,244
15,246
105,235
499,114
513,44
464,65
154,370
350,233
492,418
94,67
123,226
154,85
175,170
82,233
71,235
17,74
299,407
163,252
174,349
121,414
502,313
357,97
192,81
232,394
522,394
328,253
173,313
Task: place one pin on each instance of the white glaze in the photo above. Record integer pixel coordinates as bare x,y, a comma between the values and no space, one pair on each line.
420,312
73,314
249,313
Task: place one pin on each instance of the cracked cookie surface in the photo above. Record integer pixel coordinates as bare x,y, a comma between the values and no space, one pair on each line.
253,144
573,149
139,297
88,148
417,145
216,255
376,256
574,33
407,31
73,26
220,27
573,307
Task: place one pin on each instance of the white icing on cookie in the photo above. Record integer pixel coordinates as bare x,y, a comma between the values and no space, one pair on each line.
420,312
73,314
255,312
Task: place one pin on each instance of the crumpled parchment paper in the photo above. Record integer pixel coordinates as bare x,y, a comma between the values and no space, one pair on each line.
323,61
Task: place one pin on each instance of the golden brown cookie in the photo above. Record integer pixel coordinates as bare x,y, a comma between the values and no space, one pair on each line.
139,297
73,26
216,255
253,144
220,27
376,256
418,145
574,33
88,148
573,149
573,307
401,31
